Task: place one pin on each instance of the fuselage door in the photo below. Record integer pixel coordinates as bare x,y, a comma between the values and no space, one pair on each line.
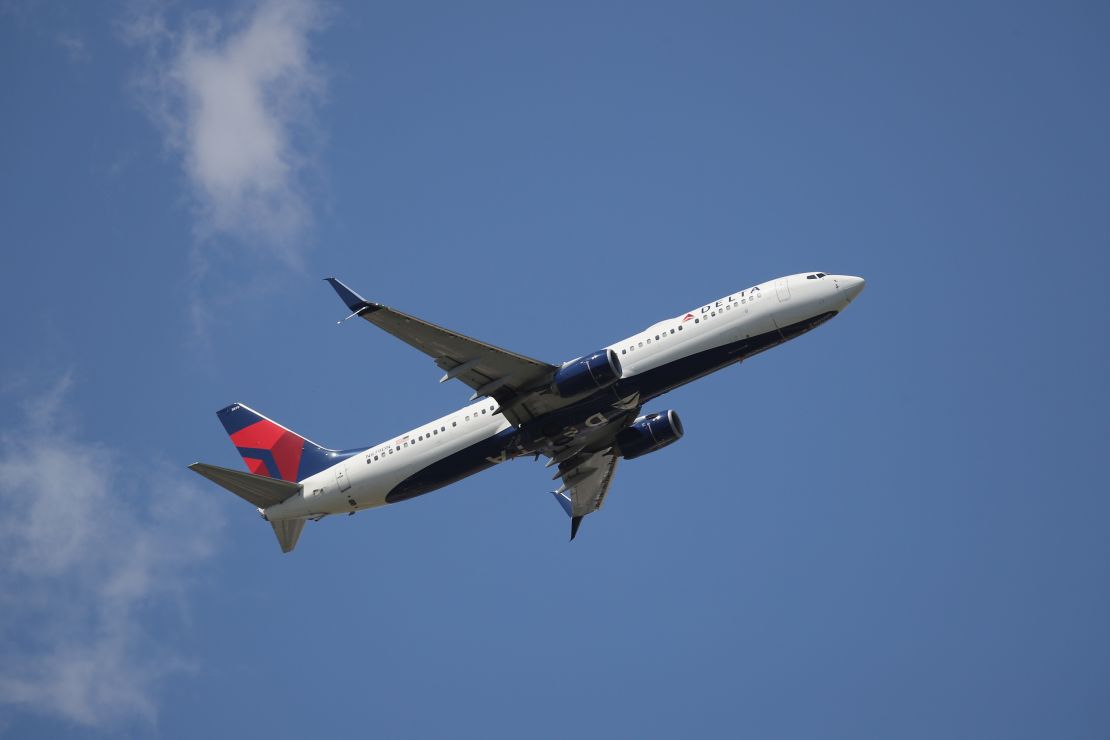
341,477
782,287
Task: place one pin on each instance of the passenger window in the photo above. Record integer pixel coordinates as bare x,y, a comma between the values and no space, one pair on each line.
454,423
657,337
697,321
641,344
483,411
624,352
443,429
672,331
680,327
649,341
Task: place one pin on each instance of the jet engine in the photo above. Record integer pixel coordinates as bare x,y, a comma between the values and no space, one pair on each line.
589,373
648,434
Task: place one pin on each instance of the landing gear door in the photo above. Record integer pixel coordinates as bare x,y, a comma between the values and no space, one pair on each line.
782,287
341,478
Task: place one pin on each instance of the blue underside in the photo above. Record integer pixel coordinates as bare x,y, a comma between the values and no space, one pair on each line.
650,384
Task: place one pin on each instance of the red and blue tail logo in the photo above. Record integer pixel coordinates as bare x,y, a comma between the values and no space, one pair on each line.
272,450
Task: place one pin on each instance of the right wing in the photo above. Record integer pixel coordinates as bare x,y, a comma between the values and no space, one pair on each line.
586,479
513,380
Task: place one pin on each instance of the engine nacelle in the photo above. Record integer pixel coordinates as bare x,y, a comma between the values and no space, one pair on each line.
589,373
649,433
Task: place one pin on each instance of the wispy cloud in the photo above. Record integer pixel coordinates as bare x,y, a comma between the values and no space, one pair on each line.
95,549
74,45
234,96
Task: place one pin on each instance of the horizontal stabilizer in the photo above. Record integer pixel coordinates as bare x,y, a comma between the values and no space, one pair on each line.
260,490
288,532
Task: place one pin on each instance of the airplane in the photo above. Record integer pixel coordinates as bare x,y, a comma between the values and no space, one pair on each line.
583,415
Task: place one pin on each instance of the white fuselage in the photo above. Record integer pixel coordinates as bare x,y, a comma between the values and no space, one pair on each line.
363,480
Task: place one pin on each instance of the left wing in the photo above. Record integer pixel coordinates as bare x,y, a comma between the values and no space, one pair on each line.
586,479
491,371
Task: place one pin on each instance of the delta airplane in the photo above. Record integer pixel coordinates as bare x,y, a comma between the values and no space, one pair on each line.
583,415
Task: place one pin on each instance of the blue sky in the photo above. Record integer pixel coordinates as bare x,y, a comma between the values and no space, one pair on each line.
893,527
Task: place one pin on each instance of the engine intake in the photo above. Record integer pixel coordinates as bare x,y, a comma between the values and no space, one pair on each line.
649,433
589,373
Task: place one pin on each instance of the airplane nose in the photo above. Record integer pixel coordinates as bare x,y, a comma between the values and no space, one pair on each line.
851,285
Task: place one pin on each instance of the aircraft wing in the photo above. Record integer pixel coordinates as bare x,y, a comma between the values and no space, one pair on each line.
586,479
491,371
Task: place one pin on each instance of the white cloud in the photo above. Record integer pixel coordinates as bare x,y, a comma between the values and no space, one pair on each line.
95,549
234,96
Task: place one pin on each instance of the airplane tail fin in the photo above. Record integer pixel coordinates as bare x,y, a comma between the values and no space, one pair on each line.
261,491
278,459
271,450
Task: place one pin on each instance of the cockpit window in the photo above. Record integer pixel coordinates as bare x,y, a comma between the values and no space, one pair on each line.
811,277
820,274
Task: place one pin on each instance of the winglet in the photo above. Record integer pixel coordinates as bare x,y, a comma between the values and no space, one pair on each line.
568,506
564,501
354,301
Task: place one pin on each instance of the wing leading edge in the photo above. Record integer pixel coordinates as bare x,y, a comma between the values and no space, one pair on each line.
507,377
